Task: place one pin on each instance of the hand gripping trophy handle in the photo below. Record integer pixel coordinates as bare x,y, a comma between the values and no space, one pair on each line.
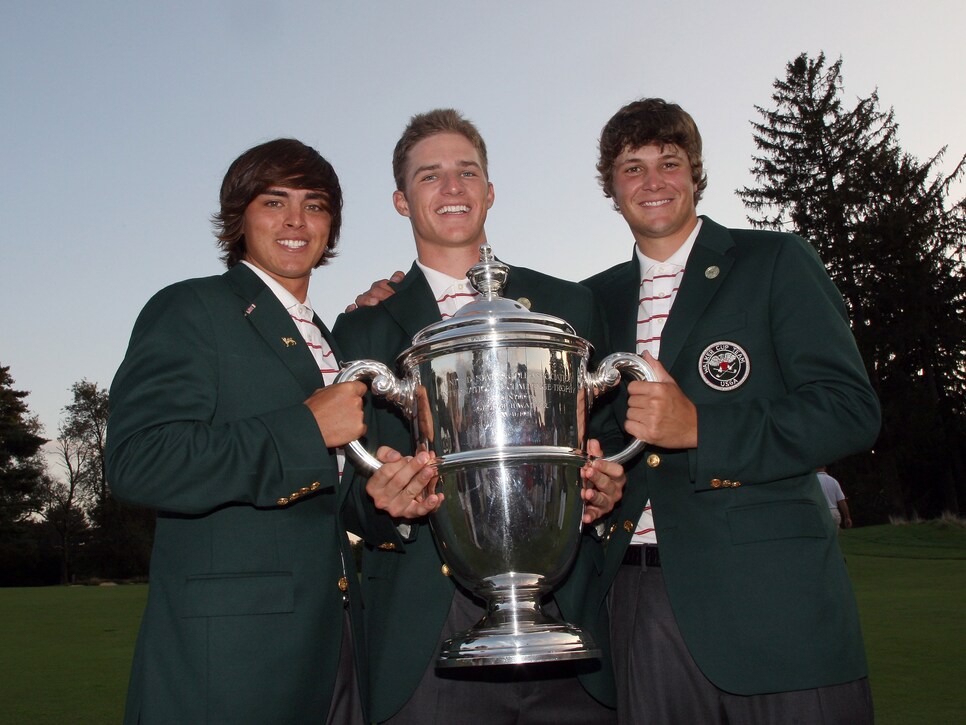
384,384
607,376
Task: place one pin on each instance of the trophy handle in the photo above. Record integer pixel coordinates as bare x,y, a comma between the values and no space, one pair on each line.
384,384
608,375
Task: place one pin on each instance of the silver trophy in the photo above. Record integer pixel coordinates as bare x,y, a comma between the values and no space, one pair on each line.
500,397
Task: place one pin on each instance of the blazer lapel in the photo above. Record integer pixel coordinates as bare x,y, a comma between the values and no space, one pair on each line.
622,306
618,294
329,338
706,269
272,322
413,307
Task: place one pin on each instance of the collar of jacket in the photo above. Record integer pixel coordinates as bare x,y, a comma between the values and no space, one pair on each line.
272,322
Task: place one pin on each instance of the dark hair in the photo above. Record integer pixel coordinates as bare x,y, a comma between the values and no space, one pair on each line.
650,121
424,125
282,162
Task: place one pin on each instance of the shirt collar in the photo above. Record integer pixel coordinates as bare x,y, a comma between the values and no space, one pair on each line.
440,282
287,299
680,257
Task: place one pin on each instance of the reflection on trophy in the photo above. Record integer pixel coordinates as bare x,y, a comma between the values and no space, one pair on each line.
500,397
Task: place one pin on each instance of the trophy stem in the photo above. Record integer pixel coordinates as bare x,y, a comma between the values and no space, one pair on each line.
514,631
514,609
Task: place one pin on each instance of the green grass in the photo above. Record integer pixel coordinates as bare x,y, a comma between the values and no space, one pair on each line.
910,582
65,652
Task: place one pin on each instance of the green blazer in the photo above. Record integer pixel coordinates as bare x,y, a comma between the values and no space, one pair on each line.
245,614
749,552
407,597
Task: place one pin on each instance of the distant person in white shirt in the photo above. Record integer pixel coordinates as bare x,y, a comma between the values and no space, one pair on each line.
836,499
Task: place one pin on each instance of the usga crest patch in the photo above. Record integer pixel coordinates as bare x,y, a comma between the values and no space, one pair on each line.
724,365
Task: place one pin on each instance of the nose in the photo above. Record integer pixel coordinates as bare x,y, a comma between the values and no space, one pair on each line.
295,217
453,184
653,179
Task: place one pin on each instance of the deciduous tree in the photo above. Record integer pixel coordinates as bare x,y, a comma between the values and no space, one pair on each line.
84,429
63,509
119,542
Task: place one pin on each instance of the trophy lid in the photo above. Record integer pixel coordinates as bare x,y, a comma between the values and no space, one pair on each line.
494,315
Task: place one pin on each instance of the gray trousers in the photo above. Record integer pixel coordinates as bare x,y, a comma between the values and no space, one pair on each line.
659,684
536,694
346,705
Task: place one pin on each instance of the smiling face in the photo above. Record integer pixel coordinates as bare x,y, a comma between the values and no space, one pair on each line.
286,232
446,196
654,189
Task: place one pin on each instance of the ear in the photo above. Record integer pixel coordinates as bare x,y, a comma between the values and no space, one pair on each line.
399,201
490,194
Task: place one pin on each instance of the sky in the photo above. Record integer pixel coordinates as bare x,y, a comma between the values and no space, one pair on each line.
119,118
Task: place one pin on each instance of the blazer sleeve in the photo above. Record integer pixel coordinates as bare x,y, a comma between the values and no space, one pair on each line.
360,514
167,448
827,409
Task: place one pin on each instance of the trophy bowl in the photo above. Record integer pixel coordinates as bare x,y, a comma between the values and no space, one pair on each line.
499,396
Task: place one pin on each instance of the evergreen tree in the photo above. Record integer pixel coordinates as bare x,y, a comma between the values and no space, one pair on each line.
21,467
24,558
894,244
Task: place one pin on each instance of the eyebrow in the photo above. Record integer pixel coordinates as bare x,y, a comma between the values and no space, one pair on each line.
673,155
662,157
437,167
285,194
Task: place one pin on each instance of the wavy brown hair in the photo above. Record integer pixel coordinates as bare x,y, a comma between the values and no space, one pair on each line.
282,162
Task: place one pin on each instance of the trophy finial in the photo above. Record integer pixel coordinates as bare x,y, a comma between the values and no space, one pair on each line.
489,275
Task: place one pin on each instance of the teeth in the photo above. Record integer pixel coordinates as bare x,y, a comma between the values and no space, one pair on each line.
293,243
453,209
655,203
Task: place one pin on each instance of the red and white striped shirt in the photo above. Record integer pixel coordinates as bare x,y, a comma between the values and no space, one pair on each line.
451,294
660,282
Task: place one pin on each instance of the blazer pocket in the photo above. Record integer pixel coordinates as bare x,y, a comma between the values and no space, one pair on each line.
234,594
773,521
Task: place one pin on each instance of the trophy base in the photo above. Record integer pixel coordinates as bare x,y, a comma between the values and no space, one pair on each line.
516,631
538,643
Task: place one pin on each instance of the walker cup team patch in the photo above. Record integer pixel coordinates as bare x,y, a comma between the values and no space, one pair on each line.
724,365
